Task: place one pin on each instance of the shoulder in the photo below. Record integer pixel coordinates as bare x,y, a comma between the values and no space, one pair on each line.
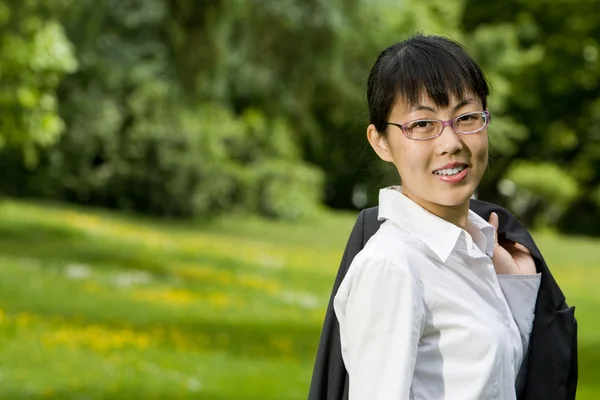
386,266
390,249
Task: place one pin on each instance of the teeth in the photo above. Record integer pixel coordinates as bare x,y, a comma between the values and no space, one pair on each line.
450,171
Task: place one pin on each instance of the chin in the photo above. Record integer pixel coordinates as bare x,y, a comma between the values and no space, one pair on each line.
454,197
444,196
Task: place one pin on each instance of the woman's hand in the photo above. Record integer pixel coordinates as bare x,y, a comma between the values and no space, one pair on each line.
510,257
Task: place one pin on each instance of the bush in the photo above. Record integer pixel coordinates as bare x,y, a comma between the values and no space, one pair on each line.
538,193
35,55
157,155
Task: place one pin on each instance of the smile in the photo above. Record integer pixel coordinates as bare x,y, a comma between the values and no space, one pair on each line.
450,171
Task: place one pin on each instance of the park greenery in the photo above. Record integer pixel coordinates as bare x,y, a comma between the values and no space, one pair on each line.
102,305
195,108
216,114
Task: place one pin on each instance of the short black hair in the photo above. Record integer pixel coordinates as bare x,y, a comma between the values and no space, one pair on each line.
422,65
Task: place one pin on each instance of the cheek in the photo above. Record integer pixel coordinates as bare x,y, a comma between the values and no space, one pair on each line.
483,151
412,157
478,147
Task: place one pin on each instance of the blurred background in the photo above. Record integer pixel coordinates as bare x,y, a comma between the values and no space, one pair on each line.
179,179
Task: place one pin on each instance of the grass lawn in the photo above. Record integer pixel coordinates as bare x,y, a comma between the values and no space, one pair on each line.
96,305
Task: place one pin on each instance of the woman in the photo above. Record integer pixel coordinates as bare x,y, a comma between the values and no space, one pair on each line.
433,307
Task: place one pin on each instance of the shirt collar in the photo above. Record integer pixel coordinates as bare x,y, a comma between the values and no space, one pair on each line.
438,234
487,231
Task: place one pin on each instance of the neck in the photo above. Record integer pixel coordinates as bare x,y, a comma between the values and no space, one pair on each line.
457,215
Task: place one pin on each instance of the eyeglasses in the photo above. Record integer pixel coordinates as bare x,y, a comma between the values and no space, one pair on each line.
426,129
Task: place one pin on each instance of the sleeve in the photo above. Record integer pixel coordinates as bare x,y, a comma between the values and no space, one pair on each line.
381,314
521,292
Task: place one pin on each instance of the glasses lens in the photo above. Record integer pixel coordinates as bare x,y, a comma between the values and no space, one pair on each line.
423,129
470,123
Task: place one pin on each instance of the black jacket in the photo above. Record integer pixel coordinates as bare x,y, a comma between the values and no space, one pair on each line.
550,368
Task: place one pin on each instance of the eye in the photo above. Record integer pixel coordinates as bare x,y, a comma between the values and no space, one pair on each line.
469,123
467,118
424,124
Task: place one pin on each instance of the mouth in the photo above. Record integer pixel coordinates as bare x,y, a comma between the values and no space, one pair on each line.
454,170
453,173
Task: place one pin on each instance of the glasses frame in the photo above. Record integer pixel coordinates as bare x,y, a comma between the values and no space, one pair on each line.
450,123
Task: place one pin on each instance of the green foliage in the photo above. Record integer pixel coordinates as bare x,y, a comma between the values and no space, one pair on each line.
193,108
288,189
136,141
539,186
182,161
311,64
255,164
35,55
306,62
553,94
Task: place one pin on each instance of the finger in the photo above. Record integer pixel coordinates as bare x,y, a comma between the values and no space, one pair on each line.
494,222
519,247
509,244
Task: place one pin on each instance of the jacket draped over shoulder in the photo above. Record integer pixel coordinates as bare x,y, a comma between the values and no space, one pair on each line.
550,368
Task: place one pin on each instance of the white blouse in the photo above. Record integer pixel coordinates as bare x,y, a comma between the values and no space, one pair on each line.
423,315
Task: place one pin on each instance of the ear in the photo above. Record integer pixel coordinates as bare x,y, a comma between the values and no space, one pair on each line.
379,143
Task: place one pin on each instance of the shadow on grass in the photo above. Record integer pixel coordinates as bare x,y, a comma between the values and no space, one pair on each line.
52,244
60,247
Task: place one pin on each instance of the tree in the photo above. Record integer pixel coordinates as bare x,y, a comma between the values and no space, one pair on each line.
136,140
35,55
556,97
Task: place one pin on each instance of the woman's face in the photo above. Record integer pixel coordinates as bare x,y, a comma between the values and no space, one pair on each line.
421,164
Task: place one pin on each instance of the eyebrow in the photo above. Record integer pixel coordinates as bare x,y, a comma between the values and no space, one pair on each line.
463,103
460,105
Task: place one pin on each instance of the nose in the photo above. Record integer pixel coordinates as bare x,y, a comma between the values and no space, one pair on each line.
449,142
